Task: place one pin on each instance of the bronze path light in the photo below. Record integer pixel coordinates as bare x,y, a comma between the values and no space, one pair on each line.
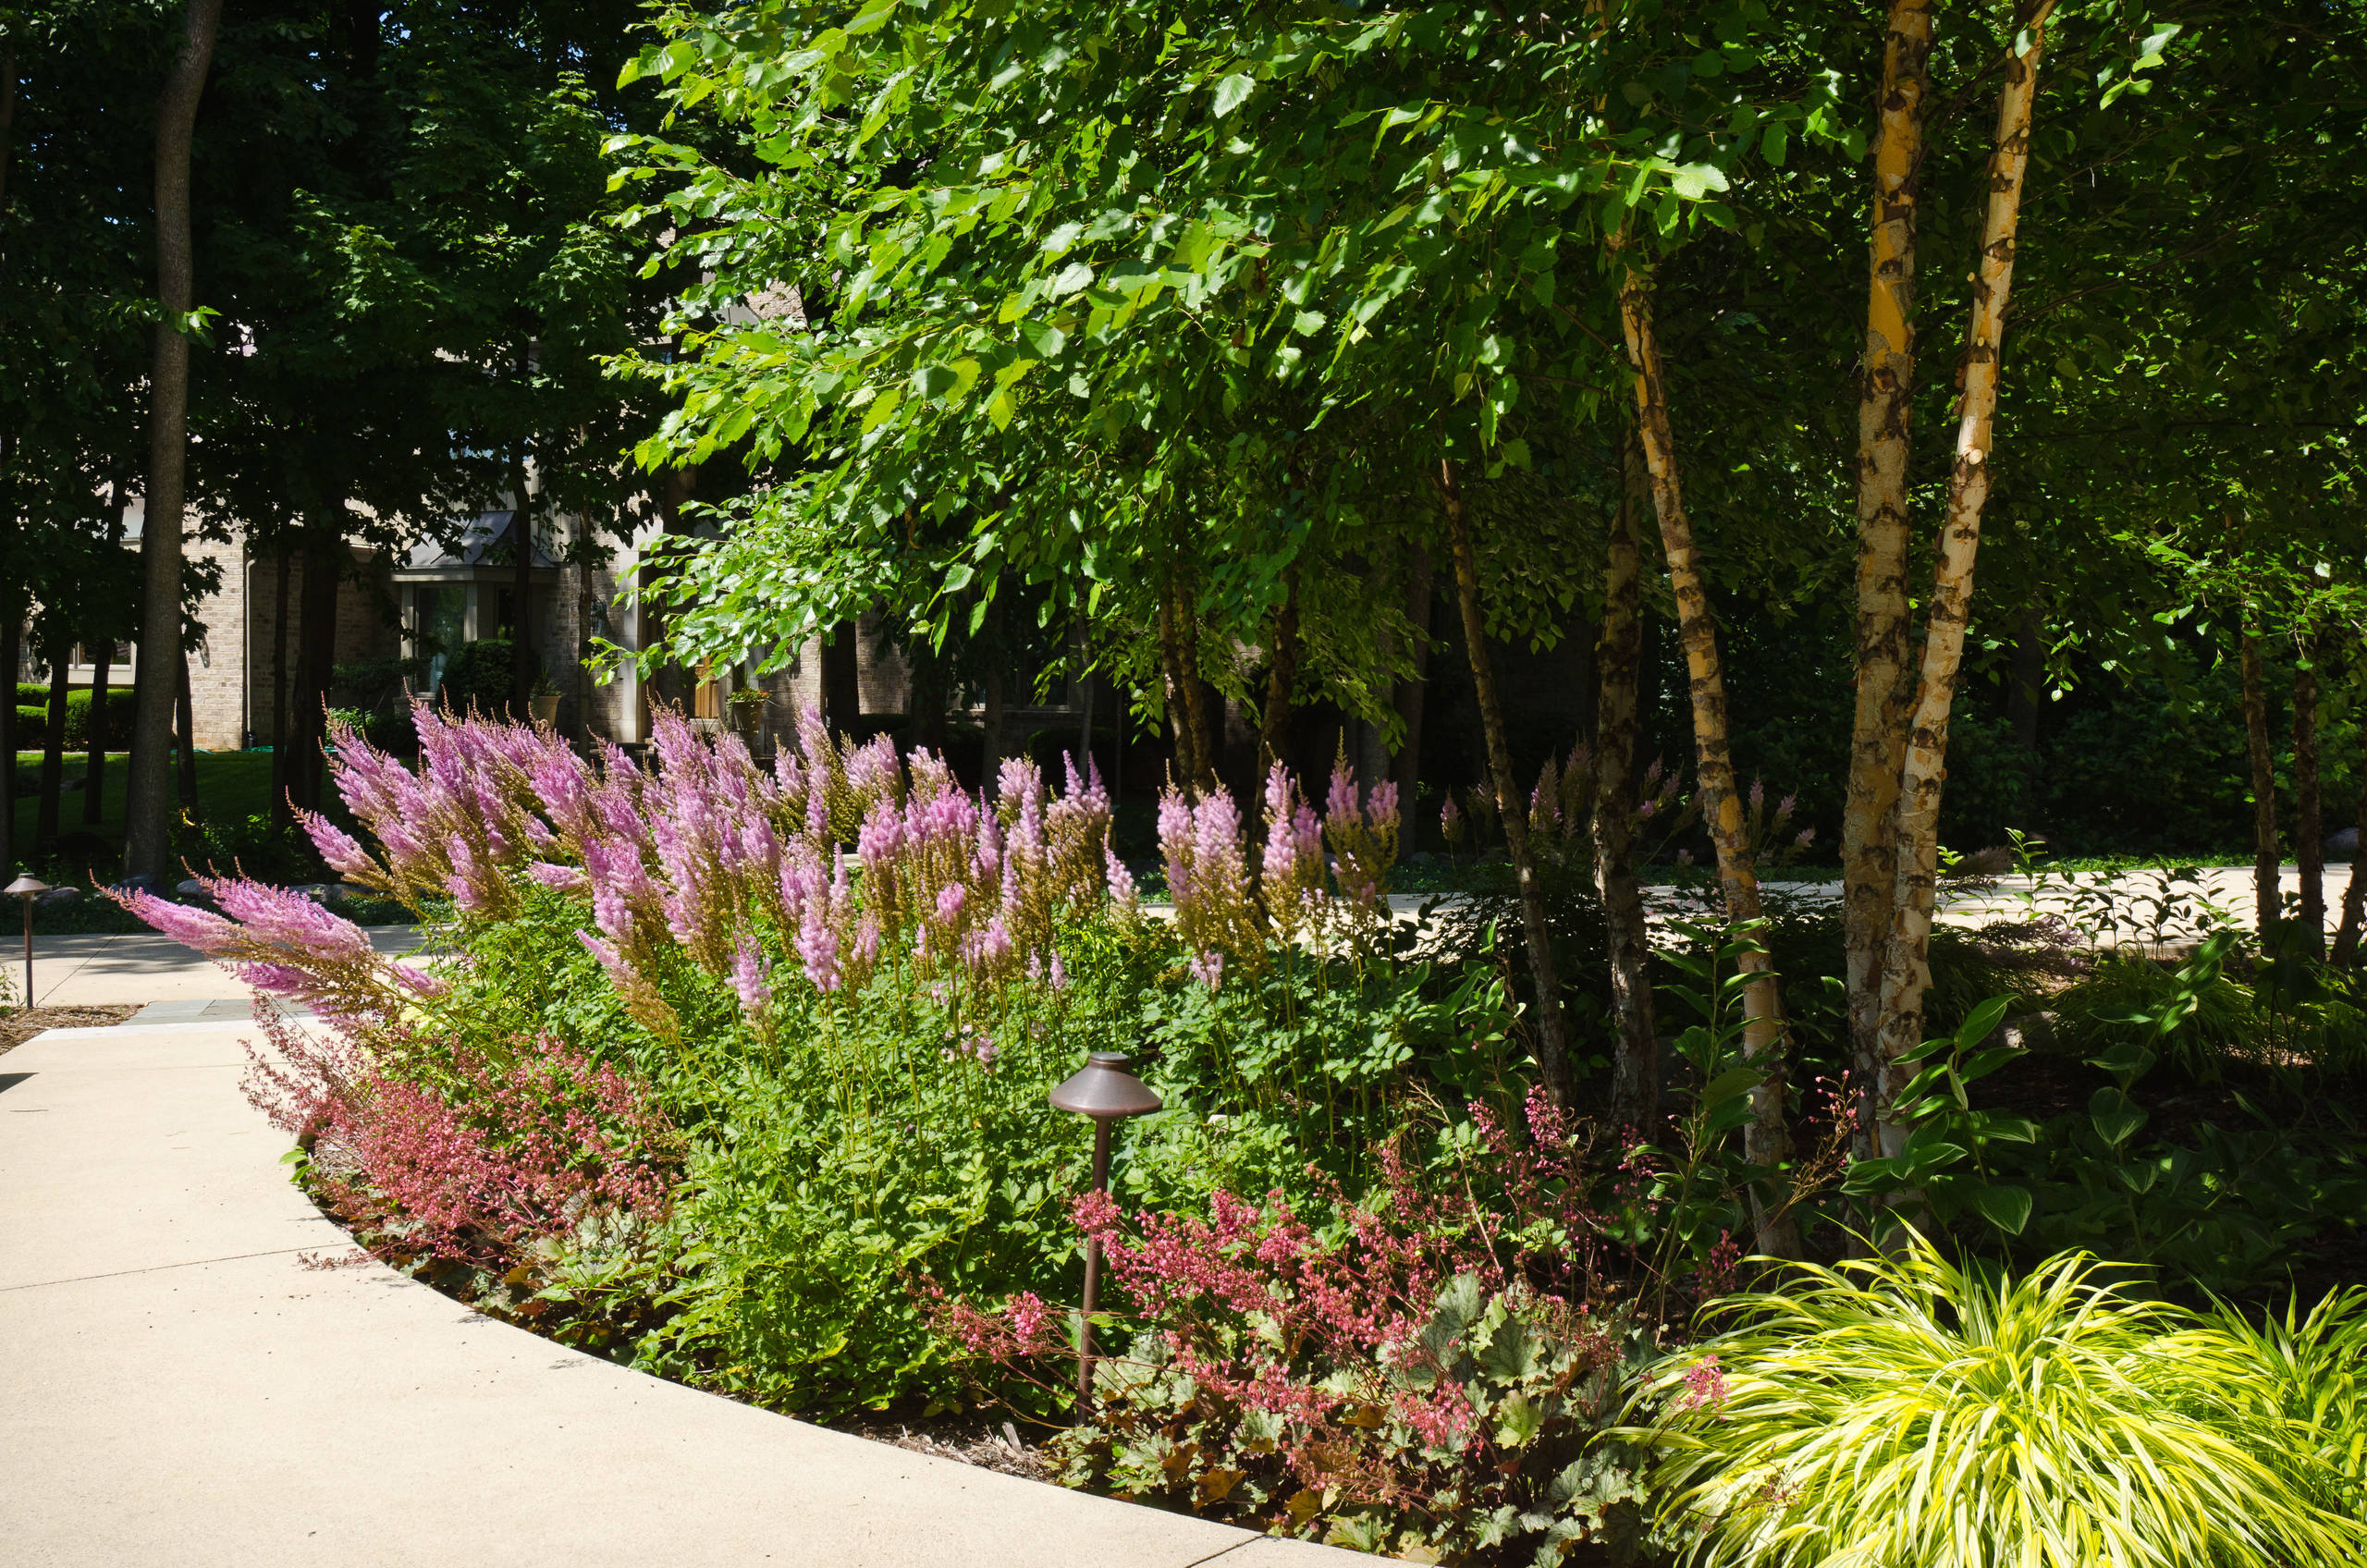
29,888
1106,1089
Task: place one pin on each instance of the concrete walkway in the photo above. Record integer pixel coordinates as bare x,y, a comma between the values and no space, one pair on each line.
178,1387
102,970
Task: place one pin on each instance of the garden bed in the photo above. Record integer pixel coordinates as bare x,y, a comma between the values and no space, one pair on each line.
690,1088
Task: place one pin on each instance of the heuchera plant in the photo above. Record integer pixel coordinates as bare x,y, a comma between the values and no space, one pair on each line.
1428,1374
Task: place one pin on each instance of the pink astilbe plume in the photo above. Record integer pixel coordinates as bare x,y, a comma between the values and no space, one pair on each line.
288,945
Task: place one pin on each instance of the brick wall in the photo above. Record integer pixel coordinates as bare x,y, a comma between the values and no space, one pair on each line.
365,628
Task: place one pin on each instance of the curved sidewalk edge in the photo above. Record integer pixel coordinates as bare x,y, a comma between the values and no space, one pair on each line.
178,1388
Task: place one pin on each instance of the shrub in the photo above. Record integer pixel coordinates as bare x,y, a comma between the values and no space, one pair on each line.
32,717
1910,1413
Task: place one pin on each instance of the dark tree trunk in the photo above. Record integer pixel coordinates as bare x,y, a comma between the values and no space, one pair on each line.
53,755
842,680
2265,859
281,752
523,663
1552,1037
2309,825
147,796
12,657
1619,650
991,749
95,762
2354,891
1273,729
1171,653
316,657
1420,599
187,772
94,771
2022,694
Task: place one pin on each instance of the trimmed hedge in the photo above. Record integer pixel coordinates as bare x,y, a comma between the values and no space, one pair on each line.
32,717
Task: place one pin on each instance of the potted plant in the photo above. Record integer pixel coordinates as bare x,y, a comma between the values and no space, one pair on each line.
748,712
545,700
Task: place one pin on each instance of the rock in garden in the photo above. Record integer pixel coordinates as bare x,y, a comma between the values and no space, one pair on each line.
2345,843
58,897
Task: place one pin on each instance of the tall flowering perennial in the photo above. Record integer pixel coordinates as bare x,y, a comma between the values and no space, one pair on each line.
837,859
1312,873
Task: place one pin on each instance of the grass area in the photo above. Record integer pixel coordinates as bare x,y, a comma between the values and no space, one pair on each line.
231,786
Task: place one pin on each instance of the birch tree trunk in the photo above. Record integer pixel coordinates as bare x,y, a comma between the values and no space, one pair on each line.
2267,906
2309,818
1619,650
1553,1029
1767,1139
148,803
1195,694
1886,414
1907,970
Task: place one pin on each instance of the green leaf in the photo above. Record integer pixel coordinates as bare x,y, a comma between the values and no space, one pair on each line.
1073,276
1232,91
1981,1020
2008,1208
1732,1082
2117,1117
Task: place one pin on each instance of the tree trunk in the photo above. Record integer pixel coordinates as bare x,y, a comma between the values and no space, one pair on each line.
2028,683
1766,1140
1907,970
1170,657
1553,1029
990,754
1195,694
8,140
280,752
316,657
841,678
1619,653
12,659
1885,424
147,796
2354,891
94,771
95,758
52,755
523,664
2309,820
2266,861
187,749
1273,729
1411,695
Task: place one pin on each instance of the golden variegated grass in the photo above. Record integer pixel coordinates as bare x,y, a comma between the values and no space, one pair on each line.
1905,1413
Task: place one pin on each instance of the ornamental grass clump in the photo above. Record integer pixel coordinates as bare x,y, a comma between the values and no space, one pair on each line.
1905,1413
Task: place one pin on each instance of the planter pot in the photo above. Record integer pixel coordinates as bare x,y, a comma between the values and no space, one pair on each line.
545,709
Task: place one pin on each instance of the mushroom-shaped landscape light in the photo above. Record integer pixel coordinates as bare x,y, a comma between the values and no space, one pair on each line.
1106,1089
29,888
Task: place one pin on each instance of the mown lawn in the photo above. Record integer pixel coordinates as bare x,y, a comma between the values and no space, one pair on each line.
231,786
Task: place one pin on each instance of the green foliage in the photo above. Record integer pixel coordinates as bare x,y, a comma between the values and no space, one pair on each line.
1947,1162
855,1156
1918,1415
